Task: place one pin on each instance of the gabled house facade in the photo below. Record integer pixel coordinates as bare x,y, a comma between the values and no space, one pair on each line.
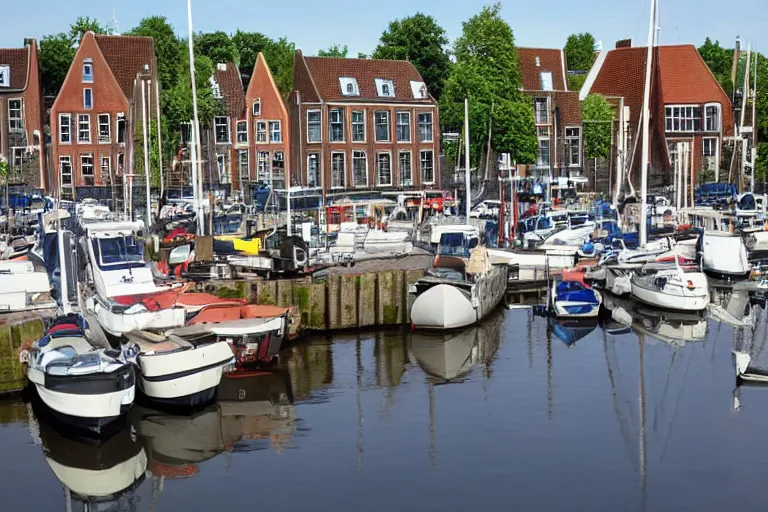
97,110
266,127
557,114
691,115
362,124
22,111
225,137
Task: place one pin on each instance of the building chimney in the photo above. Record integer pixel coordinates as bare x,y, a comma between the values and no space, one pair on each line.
221,66
624,43
738,43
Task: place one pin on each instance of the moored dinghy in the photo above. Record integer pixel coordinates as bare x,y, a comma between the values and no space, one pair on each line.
571,299
671,288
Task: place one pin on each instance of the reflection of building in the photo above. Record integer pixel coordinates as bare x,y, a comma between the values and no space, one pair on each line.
21,115
310,367
391,358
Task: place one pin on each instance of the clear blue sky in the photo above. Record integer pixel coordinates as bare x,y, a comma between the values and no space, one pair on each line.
538,23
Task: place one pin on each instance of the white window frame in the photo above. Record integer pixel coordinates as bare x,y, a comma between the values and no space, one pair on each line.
82,169
102,175
680,114
716,141
421,166
319,180
545,102
340,111
431,126
66,159
12,160
404,182
68,124
345,82
577,138
539,163
278,174
89,63
5,75
222,173
118,119
83,118
256,107
217,123
398,125
719,108
355,156
546,81
239,132
247,176
319,124
264,167
362,123
14,119
380,83
388,140
263,125
86,90
272,132
419,90
344,170
108,139
379,183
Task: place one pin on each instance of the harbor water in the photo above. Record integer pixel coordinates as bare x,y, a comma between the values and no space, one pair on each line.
513,414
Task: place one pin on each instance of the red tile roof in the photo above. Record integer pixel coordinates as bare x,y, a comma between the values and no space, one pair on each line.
231,85
325,72
18,60
126,56
623,74
549,60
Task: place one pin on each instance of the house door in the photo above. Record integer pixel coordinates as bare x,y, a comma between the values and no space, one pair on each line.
681,164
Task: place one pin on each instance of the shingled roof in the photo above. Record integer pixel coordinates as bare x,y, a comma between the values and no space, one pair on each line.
231,85
126,57
18,60
326,71
551,60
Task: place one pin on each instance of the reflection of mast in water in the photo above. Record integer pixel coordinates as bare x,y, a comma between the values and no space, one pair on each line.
529,326
641,400
432,443
549,371
359,366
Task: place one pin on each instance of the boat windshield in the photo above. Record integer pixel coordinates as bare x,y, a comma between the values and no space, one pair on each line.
119,251
456,244
227,224
544,223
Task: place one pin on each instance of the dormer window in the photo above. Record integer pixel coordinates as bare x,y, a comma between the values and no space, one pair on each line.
87,71
5,75
419,90
385,88
257,107
538,62
349,86
546,81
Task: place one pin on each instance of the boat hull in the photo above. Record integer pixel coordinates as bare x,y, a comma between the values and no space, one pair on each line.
667,301
118,324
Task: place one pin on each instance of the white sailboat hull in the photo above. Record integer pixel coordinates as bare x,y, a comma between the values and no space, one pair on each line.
443,307
673,298
122,323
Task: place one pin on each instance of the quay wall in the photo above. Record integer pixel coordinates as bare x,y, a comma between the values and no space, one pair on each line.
340,301
17,334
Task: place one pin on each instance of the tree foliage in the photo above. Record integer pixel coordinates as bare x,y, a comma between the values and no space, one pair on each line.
580,51
168,48
720,61
217,46
55,57
177,104
82,25
487,72
422,41
248,45
596,114
334,51
278,54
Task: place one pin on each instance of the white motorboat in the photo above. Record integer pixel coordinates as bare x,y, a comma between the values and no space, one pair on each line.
461,288
82,385
571,299
125,296
724,255
670,287
179,371
22,288
439,230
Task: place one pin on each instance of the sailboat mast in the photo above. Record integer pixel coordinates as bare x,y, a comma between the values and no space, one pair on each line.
646,130
754,123
196,152
467,183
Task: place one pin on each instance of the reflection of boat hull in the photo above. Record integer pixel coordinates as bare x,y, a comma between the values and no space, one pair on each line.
570,331
446,357
745,370
575,301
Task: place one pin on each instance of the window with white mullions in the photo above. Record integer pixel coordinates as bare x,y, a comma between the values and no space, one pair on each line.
105,135
65,174
263,170
121,128
65,128
712,117
275,131
88,71
427,167
84,128
384,168
358,126
406,175
425,127
383,133
86,169
105,168
541,110
682,118
242,165
710,149
573,147
88,98
336,124
542,159
314,179
360,168
314,127
278,170
338,170
261,131
403,126
242,132
15,115
221,129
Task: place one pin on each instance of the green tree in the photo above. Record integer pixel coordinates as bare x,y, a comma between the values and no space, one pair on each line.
334,51
720,61
248,45
596,114
279,56
168,49
580,51
217,46
422,41
56,56
82,25
488,74
361,55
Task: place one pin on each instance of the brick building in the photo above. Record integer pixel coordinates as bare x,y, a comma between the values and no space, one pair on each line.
99,108
22,138
557,113
691,114
362,124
